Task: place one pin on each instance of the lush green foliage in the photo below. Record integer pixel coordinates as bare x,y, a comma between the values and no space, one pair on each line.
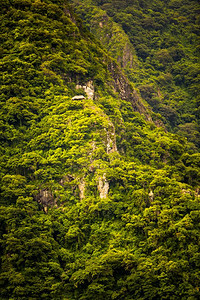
96,201
164,35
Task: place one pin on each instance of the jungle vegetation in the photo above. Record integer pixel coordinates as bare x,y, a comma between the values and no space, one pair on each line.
157,44
99,197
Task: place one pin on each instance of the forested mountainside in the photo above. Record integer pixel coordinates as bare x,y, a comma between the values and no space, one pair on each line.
157,44
99,197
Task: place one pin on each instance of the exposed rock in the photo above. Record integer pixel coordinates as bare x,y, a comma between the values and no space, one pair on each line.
103,186
81,185
126,91
45,198
151,195
185,192
82,189
113,38
111,141
127,58
66,178
88,89
118,44
78,97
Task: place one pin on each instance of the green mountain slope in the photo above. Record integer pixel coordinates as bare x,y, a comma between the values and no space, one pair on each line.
156,43
98,200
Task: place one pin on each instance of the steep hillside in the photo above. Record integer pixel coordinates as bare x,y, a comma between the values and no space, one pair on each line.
156,43
97,199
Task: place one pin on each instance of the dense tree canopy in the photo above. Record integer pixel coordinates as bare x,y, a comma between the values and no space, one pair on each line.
157,44
97,199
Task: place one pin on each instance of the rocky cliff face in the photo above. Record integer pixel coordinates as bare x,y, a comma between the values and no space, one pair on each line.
120,48
88,88
126,91
111,35
103,186
88,143
114,39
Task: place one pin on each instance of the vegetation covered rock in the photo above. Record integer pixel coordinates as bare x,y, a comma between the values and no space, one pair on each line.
96,200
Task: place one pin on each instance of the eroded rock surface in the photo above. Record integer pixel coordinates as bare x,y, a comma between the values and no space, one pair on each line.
103,186
45,198
88,89
82,189
111,145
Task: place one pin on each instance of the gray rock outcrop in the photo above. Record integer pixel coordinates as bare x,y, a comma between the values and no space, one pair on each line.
103,186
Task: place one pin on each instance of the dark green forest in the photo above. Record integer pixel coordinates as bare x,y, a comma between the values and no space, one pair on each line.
100,162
